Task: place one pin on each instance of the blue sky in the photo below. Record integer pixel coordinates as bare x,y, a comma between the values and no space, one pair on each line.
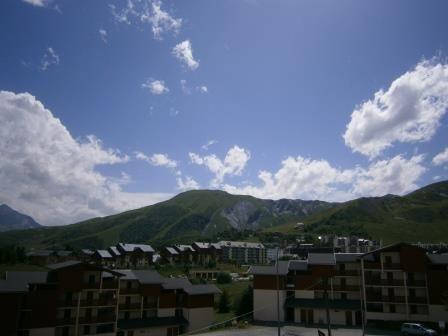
283,91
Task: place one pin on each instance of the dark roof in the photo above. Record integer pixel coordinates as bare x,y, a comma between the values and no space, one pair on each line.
64,264
321,259
140,323
441,259
391,247
320,303
347,257
148,276
184,248
70,263
40,253
270,270
63,253
298,265
176,283
19,281
201,289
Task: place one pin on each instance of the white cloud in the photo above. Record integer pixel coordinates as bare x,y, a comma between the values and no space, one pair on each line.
408,111
441,158
186,184
51,176
50,58
209,144
203,89
158,159
38,3
103,34
156,87
437,177
304,178
184,86
184,52
147,12
234,163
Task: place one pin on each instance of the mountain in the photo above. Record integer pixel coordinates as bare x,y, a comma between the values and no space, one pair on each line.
195,215
11,219
419,216
188,216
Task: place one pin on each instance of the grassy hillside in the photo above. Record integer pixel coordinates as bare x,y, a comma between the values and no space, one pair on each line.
419,216
186,217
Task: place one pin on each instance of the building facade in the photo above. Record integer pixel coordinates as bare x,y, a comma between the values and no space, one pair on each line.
398,283
76,299
243,253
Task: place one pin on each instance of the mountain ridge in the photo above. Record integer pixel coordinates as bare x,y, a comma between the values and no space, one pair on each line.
202,214
11,219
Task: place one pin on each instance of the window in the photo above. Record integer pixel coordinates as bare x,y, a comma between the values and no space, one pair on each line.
65,331
174,331
126,315
344,296
392,308
91,279
86,330
413,309
388,260
67,313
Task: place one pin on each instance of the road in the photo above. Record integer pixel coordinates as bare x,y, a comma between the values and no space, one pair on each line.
293,331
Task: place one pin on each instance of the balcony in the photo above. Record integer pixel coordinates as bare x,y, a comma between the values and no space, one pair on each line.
110,285
65,321
127,291
67,303
93,285
393,266
130,306
417,299
97,319
416,283
348,273
381,298
384,282
150,305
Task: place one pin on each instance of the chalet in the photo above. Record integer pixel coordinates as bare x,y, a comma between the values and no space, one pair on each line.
169,255
103,258
205,252
135,255
185,253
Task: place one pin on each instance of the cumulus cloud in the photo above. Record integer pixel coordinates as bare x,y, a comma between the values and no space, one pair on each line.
441,158
305,178
103,34
203,89
38,3
186,183
147,12
51,176
157,159
184,53
156,87
408,111
48,59
233,164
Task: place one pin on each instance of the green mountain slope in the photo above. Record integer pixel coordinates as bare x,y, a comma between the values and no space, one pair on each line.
419,216
186,217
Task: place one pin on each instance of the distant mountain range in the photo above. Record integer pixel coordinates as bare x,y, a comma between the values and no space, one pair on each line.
11,219
419,216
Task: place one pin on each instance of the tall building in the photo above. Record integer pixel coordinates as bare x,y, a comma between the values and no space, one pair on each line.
400,282
243,252
75,298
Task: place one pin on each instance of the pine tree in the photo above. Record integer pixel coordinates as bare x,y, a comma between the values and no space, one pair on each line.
224,302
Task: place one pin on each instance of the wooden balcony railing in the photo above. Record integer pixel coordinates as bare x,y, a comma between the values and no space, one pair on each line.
129,306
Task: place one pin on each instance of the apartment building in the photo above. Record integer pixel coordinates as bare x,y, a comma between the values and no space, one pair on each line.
134,255
76,299
243,252
205,252
403,282
72,298
396,283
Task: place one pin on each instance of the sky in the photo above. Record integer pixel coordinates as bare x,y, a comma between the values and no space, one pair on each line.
111,105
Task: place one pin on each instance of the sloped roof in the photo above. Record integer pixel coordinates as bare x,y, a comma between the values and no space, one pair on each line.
19,281
114,251
201,289
283,268
40,253
172,250
104,254
132,247
64,264
184,248
321,259
148,276
440,259
176,283
298,265
347,257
